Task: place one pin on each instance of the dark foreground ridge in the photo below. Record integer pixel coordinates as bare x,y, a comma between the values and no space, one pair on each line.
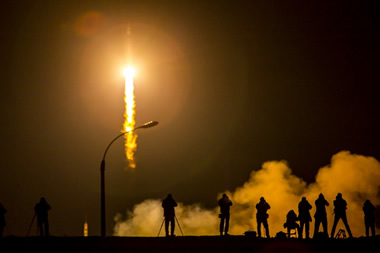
184,244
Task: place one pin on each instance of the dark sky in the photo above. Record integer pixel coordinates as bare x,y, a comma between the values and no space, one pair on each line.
232,83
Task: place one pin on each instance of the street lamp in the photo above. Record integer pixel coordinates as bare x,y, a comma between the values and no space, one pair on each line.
102,184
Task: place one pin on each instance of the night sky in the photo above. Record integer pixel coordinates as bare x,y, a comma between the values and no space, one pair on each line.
232,83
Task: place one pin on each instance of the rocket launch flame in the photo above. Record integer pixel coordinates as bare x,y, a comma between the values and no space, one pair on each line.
129,115
130,105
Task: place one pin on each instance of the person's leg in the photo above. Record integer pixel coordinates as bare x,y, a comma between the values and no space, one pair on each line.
316,227
47,233
172,225
288,229
40,227
366,230
324,224
266,228
344,219
307,228
302,223
221,226
258,228
372,229
336,220
298,228
227,223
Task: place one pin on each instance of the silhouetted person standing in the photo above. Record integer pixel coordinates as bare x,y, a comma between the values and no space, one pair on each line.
168,204
41,209
340,206
369,217
262,216
3,211
320,215
304,217
224,204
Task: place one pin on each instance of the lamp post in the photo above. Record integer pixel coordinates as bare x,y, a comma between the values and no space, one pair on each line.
102,183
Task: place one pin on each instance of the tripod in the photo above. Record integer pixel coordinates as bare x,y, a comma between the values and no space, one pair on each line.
31,224
180,229
341,234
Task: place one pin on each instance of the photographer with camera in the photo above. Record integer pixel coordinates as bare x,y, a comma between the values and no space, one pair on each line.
168,204
262,216
224,215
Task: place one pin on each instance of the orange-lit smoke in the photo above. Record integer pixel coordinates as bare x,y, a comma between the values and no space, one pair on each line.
146,218
129,115
357,177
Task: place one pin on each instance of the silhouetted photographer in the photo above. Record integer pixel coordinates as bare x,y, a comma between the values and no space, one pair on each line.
224,203
369,217
41,209
320,215
304,217
340,213
262,216
168,204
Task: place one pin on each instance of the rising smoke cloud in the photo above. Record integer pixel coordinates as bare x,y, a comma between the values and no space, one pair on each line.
357,177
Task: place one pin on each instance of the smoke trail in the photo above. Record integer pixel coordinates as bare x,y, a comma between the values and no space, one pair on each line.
357,177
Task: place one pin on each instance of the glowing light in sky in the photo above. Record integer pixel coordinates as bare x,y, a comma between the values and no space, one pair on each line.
85,229
129,115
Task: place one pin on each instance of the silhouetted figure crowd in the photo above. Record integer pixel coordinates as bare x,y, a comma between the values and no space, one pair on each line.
262,216
224,203
3,211
41,210
168,204
340,206
304,217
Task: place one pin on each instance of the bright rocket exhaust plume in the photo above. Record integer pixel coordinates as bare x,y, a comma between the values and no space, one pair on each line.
130,106
129,115
357,177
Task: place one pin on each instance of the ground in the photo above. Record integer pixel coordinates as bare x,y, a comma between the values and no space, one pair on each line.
184,244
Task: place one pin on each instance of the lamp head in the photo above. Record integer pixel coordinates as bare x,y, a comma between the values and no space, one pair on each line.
149,124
